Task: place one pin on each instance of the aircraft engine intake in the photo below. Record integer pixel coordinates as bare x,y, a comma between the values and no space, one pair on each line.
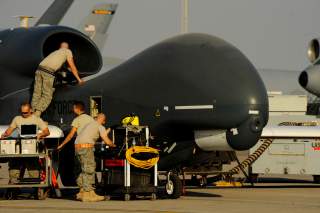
241,138
309,78
22,49
313,50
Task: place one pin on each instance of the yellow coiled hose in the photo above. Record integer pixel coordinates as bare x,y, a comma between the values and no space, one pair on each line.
144,164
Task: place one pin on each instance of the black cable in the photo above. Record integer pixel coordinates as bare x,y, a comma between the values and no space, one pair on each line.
251,158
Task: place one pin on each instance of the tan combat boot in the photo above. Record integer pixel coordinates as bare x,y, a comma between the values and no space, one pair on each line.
91,196
80,194
86,197
96,197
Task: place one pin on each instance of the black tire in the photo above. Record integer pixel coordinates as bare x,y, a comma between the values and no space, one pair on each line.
176,183
316,179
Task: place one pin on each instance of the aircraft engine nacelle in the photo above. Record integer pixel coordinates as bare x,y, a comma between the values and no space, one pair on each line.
309,78
313,50
241,138
22,49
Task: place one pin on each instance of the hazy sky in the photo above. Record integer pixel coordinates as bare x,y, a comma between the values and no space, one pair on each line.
273,34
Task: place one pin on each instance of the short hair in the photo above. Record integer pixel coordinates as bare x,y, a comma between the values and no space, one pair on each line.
64,43
101,115
79,105
23,104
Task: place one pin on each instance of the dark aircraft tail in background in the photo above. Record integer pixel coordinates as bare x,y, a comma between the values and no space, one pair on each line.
55,12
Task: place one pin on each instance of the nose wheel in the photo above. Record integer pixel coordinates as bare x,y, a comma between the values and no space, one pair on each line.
173,187
169,188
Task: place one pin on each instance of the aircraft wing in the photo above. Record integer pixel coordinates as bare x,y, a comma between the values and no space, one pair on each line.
277,132
55,12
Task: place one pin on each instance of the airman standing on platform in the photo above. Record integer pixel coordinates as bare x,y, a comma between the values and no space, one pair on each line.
45,76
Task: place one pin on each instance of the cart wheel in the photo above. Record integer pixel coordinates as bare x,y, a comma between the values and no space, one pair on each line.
126,197
174,187
11,194
153,196
41,194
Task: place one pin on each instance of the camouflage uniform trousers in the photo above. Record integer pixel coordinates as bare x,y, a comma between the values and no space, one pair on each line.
85,168
31,164
43,91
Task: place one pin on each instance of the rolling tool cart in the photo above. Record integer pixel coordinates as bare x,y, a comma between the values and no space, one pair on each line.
131,168
26,146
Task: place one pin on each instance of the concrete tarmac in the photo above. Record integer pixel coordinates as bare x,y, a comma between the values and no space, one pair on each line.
272,194
297,196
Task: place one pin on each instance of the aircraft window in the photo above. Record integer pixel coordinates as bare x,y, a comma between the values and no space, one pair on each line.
95,105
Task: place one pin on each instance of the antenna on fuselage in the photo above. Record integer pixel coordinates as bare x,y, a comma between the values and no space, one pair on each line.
184,16
24,20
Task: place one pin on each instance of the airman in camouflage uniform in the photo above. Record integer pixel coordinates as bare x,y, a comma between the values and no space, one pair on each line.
85,167
45,76
77,125
85,156
26,118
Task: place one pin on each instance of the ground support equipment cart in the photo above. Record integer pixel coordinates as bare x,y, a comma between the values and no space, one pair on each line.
120,178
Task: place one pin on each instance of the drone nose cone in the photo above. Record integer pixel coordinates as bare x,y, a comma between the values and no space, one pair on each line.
303,79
